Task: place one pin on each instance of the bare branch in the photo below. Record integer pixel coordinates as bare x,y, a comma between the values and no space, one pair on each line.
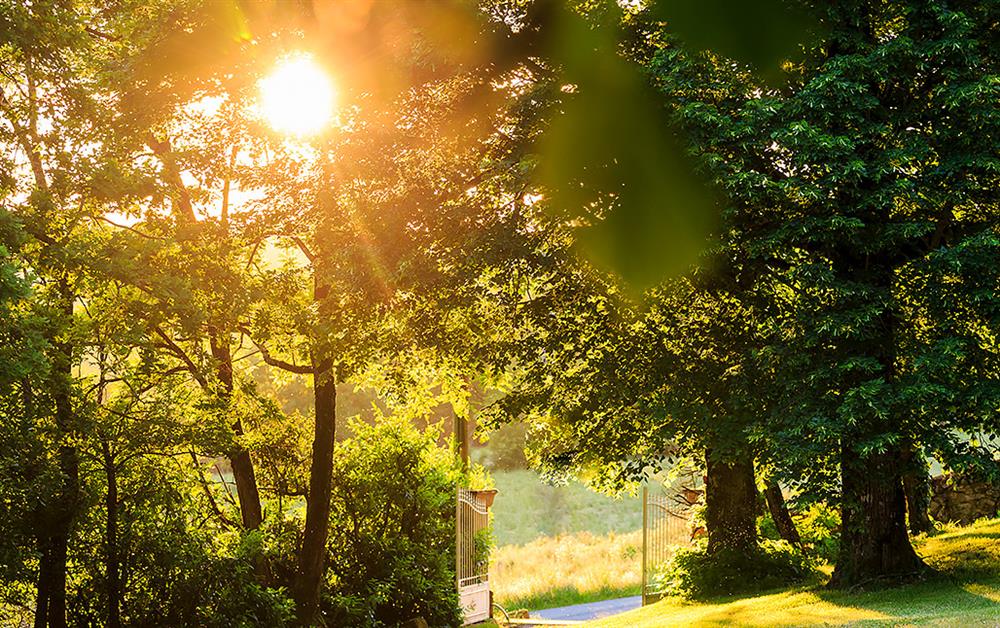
182,198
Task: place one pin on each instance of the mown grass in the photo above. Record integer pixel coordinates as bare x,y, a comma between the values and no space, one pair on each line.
567,569
965,591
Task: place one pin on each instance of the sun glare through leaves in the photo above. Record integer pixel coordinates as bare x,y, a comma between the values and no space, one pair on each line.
297,97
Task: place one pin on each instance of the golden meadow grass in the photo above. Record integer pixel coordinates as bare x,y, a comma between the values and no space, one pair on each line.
567,569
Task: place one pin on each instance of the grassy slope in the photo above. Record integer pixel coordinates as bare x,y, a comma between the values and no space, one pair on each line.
967,592
527,509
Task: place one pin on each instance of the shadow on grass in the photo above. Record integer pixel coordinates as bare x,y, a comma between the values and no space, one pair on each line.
567,596
938,599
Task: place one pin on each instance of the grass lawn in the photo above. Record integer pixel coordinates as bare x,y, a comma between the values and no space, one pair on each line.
966,592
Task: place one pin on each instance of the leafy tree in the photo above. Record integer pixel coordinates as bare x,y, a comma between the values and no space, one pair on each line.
885,211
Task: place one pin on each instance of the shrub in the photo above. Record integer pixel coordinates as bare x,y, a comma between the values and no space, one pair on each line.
392,528
173,573
819,529
695,574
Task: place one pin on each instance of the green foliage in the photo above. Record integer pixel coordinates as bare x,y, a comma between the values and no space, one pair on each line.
504,449
392,528
695,574
763,34
819,529
180,577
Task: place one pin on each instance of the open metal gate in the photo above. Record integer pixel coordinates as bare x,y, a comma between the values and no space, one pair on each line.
664,529
471,556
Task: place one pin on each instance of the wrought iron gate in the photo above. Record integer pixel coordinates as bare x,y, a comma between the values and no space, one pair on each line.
664,529
471,555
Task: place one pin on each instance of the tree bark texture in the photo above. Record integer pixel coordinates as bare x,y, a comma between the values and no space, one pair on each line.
779,513
53,540
730,504
313,551
917,489
239,459
873,543
113,560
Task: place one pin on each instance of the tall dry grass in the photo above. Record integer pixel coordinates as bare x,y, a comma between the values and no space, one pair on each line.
567,569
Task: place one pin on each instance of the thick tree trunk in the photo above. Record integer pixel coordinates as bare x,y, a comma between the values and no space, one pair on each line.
239,459
313,551
873,540
779,513
112,569
730,504
51,588
917,489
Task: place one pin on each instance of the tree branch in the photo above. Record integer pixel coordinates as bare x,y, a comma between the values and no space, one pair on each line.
180,354
276,362
163,150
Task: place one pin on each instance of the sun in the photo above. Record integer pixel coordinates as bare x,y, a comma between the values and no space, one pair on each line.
297,97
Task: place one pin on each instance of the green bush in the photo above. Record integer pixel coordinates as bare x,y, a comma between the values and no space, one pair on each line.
391,554
819,529
173,573
695,574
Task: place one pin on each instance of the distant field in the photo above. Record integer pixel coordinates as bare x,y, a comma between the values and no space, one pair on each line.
561,545
527,509
567,569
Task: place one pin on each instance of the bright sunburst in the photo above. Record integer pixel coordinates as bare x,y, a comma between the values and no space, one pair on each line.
297,98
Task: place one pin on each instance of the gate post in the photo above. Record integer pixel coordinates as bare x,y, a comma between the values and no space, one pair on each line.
645,492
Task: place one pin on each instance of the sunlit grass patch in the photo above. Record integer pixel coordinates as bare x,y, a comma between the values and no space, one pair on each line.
966,591
527,509
567,569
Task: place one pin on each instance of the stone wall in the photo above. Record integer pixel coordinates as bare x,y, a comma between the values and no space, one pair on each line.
963,500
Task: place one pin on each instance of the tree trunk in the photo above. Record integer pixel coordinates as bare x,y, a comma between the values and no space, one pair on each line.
730,504
917,489
873,540
239,459
43,586
779,513
112,571
58,518
313,552
462,439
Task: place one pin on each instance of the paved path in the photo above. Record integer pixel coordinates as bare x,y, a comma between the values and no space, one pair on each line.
593,610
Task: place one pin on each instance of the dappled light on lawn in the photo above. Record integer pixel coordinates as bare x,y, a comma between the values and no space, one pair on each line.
297,97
